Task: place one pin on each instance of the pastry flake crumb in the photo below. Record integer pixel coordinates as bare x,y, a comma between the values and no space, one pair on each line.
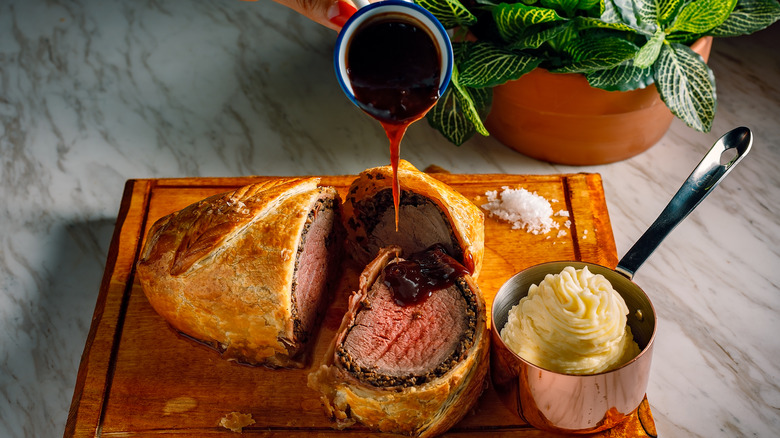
236,421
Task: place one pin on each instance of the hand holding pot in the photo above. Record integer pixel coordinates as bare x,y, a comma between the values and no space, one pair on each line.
329,13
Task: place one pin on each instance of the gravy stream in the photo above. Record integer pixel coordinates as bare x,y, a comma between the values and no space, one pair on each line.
394,66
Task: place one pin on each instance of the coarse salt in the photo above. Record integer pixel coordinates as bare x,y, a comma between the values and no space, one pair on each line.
523,209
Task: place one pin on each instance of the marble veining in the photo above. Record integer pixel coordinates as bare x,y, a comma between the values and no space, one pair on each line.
93,93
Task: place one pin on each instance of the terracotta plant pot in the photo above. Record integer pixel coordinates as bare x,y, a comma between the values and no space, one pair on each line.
560,118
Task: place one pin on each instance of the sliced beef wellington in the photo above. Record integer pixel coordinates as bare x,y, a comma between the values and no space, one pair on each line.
430,212
248,272
408,363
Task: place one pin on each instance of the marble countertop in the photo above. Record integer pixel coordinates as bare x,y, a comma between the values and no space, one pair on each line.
93,93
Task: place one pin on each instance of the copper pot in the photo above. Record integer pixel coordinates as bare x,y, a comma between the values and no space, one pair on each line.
589,403
566,402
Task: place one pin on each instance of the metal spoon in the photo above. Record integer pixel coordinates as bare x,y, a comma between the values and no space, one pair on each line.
705,177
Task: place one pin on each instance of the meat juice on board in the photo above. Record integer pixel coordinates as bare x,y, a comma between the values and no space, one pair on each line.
394,67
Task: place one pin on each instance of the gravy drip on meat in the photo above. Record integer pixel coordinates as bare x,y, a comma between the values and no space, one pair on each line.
421,274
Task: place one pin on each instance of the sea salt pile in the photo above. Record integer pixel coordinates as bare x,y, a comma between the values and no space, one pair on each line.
523,209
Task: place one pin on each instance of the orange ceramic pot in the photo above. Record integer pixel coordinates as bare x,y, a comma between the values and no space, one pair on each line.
560,118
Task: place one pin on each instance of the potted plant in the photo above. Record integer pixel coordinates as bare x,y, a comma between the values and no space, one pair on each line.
634,46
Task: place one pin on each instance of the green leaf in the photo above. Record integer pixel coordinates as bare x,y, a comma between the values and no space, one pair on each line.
535,40
647,15
668,9
649,52
623,77
473,102
748,16
512,20
591,54
458,113
686,85
584,23
451,13
450,119
619,11
565,6
447,118
702,15
485,65
640,15
587,5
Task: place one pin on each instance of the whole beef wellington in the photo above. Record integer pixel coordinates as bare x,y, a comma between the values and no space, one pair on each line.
430,212
413,365
249,271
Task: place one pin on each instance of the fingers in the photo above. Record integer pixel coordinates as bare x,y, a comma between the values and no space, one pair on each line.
330,13
339,13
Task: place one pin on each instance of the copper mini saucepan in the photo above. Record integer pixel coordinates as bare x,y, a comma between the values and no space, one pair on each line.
589,403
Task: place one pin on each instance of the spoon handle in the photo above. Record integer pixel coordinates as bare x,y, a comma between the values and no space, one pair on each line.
699,184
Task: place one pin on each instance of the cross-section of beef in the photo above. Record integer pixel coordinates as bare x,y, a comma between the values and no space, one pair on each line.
249,271
402,364
430,212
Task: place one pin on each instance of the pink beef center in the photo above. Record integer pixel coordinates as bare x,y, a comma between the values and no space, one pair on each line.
419,227
312,272
407,340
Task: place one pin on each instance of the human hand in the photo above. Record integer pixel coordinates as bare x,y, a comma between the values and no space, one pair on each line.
329,13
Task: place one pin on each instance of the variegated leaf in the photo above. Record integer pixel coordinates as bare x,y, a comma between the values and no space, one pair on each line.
620,11
596,23
451,13
623,77
687,86
587,5
748,16
513,19
486,65
566,6
667,10
449,118
649,52
647,15
471,102
593,54
535,40
702,15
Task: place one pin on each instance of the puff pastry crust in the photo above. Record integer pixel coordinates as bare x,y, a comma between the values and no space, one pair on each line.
466,220
422,410
222,270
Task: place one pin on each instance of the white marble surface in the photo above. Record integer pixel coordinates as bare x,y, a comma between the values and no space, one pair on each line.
94,92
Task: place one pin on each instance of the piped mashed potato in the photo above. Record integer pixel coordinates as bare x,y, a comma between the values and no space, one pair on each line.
573,322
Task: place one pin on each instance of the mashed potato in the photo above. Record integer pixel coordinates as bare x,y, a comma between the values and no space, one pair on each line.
573,322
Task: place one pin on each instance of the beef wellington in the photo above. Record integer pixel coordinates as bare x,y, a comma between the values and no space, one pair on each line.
430,212
411,354
248,272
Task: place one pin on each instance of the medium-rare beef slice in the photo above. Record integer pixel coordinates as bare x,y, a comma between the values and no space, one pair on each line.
414,368
316,264
247,271
393,345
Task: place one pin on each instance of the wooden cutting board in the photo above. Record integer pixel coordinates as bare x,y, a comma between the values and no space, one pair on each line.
139,378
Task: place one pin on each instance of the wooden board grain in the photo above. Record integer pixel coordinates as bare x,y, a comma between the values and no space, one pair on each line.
138,377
